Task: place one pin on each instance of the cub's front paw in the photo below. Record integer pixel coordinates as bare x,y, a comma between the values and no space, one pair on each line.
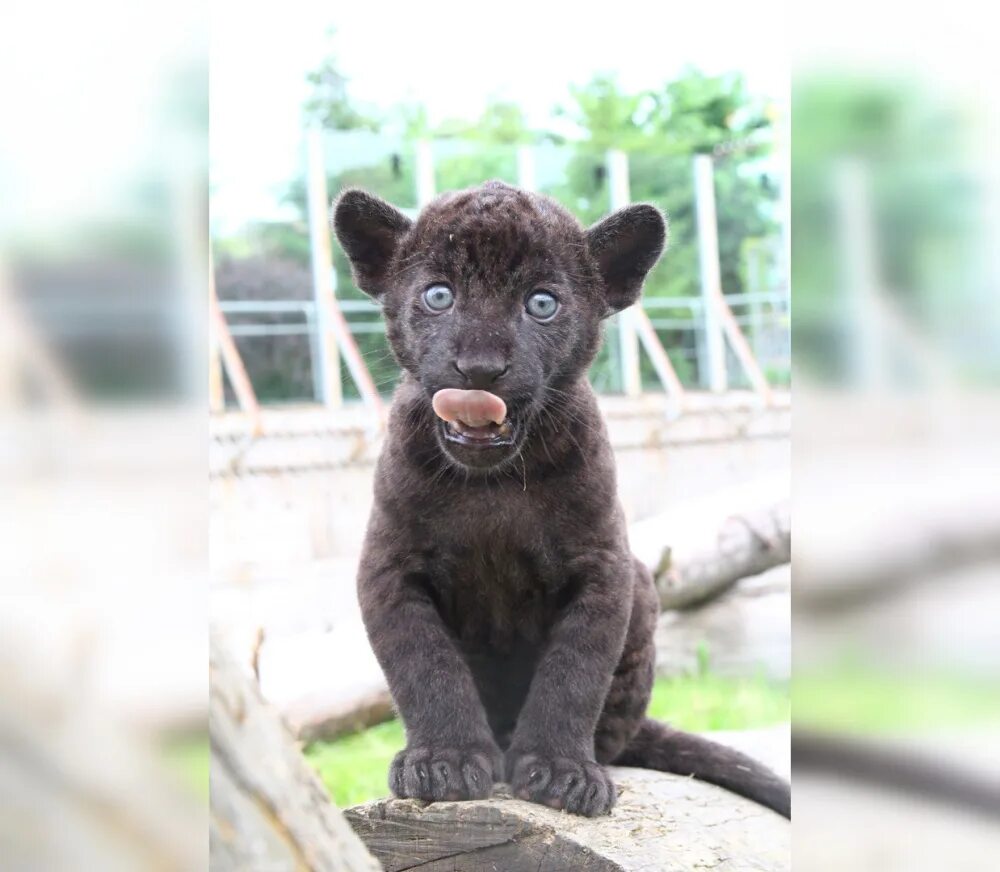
579,786
435,774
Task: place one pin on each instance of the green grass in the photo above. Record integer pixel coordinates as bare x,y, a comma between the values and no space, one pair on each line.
189,756
846,698
862,699
710,702
354,768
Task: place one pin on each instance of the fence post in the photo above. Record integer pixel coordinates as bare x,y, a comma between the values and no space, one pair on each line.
426,188
628,338
856,229
711,278
321,255
756,266
315,352
526,168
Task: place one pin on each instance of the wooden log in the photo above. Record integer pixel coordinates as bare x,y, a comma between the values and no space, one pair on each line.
328,719
746,544
661,822
269,809
927,546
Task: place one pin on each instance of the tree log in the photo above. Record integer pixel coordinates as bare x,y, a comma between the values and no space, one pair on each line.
661,822
269,809
897,555
747,544
327,719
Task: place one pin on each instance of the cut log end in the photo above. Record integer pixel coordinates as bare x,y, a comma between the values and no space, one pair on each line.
661,822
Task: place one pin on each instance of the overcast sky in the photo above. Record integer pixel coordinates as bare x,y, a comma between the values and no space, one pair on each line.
452,57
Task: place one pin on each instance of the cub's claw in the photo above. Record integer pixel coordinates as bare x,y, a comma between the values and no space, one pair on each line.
578,786
436,774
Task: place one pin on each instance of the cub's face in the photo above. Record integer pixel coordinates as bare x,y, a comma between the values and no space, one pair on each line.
496,289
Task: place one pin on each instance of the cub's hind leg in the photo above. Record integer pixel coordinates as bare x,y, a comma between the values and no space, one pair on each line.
632,684
626,737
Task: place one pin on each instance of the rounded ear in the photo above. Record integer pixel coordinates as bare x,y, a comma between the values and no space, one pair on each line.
625,246
369,230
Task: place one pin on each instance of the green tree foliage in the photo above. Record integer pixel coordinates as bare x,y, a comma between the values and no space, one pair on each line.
606,116
329,105
661,131
501,122
908,151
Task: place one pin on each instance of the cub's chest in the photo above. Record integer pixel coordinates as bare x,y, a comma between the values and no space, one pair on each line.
493,592
488,528
496,559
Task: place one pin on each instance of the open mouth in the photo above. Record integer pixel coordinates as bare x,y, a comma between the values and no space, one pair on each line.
483,436
474,419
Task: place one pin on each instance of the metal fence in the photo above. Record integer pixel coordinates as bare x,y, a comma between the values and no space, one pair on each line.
688,334
679,322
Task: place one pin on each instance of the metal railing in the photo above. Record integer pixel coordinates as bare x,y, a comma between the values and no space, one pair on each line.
680,324
718,340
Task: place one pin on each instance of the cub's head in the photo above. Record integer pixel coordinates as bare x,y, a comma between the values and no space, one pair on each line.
498,290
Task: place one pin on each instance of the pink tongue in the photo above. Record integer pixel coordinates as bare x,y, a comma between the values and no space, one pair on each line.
473,408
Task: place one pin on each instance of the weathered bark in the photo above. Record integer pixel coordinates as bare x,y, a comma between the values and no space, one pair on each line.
661,822
269,809
747,544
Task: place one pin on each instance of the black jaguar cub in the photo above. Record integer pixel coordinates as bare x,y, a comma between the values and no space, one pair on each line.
498,590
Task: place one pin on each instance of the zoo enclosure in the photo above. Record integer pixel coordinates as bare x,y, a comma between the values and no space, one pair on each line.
710,341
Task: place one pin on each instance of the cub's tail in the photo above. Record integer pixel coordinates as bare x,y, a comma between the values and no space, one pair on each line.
657,746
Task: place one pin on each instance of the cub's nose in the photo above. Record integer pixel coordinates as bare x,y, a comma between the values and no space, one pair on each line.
481,372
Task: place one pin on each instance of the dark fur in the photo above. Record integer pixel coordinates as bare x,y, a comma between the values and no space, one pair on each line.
498,590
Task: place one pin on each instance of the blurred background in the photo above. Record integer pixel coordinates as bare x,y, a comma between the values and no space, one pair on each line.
896,689
103,513
694,382
119,220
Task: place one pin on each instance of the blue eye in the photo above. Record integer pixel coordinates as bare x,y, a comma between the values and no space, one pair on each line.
439,298
542,305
